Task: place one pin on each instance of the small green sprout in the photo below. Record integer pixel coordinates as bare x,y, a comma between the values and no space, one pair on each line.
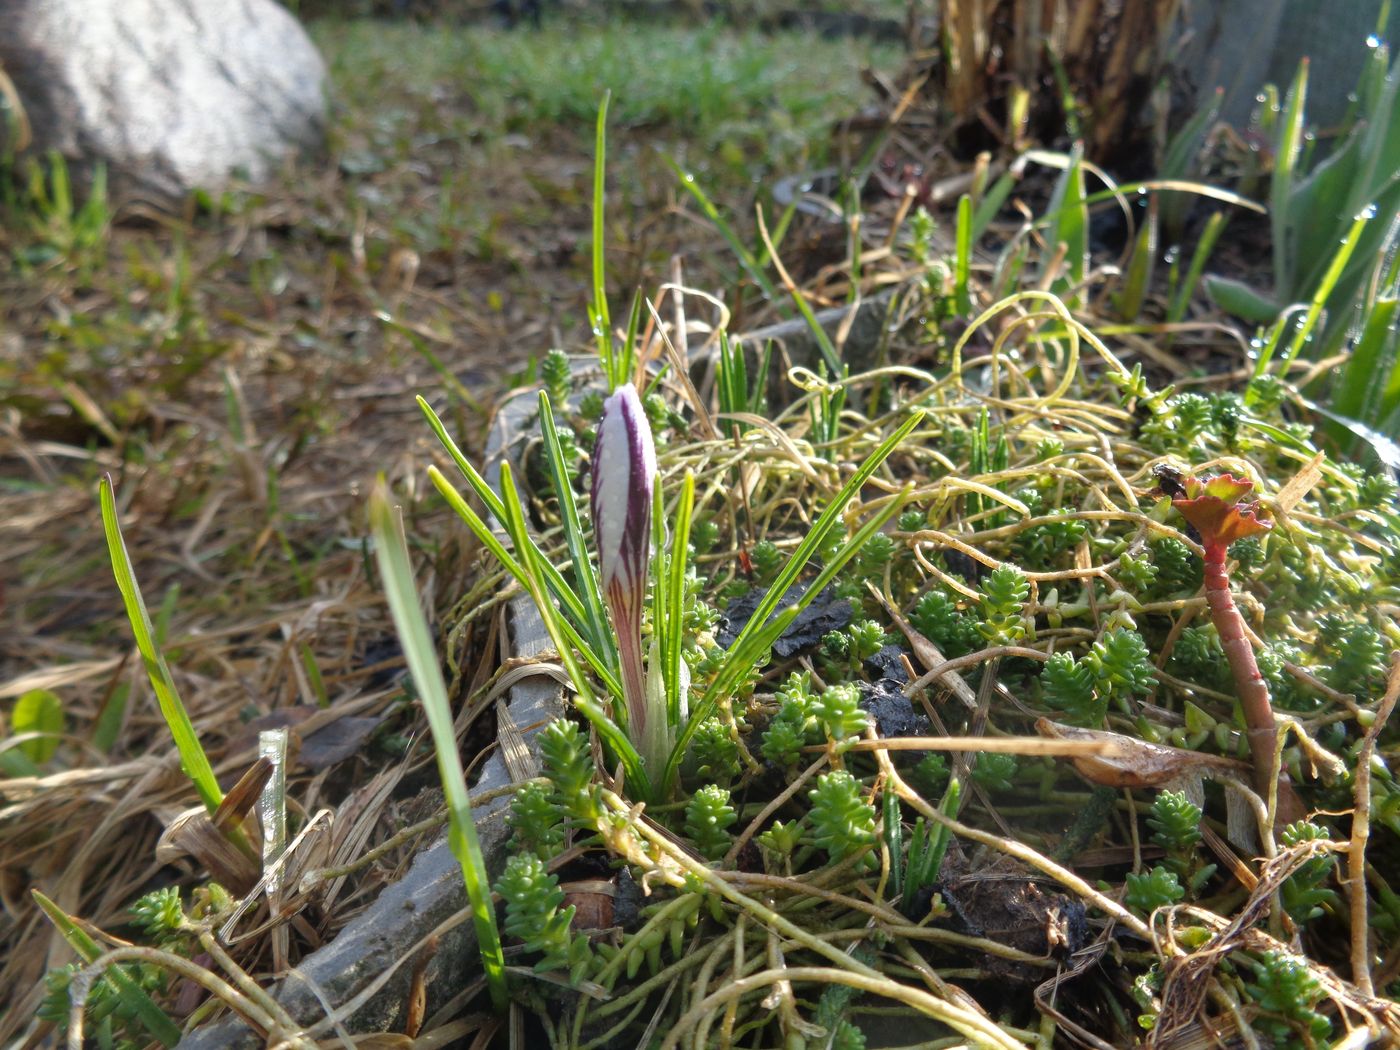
704,534
1067,686
159,914
714,751
1136,572
930,774
877,552
557,376
1176,826
867,639
766,560
1304,892
783,742
782,838
1248,553
1359,659
838,711
787,733
1376,492
1042,544
1132,386
937,617
1004,595
836,646
1117,665
994,772
1198,657
1177,568
590,406
911,521
1121,664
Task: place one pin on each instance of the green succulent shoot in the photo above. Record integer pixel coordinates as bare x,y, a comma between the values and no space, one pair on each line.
533,898
843,822
708,816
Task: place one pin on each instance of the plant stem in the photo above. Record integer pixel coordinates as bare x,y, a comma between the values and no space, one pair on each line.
1250,687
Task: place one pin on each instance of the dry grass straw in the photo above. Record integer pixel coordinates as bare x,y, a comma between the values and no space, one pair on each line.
1004,57
241,487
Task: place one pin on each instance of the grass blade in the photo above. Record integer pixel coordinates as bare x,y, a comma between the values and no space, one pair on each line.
992,202
741,252
675,599
761,631
193,760
962,261
602,323
1071,224
1179,159
894,841
732,382
533,580
758,637
1287,144
1324,289
391,550
1204,247
1241,300
1356,386
497,549
571,602
585,579
1129,301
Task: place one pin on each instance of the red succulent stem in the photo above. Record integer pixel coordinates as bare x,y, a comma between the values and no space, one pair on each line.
1253,691
1220,510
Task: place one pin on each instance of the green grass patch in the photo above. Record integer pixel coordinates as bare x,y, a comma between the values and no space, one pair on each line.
757,99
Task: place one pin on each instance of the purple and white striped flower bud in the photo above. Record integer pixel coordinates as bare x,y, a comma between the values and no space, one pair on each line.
624,476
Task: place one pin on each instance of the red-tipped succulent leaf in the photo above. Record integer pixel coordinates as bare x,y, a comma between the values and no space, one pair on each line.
1217,507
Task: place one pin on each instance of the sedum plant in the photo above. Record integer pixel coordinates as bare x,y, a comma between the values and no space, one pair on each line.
1118,665
708,816
533,913
843,821
1153,889
1219,510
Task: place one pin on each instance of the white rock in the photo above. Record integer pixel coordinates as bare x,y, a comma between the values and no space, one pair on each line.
172,95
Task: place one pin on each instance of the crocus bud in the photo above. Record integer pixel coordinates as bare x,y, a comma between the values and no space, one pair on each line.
624,475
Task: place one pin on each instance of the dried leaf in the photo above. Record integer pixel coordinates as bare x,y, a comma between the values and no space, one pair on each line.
1128,762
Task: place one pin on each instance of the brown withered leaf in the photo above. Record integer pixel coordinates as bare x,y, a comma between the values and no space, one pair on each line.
194,833
1126,762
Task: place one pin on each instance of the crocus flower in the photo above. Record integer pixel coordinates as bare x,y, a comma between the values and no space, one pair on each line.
624,476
